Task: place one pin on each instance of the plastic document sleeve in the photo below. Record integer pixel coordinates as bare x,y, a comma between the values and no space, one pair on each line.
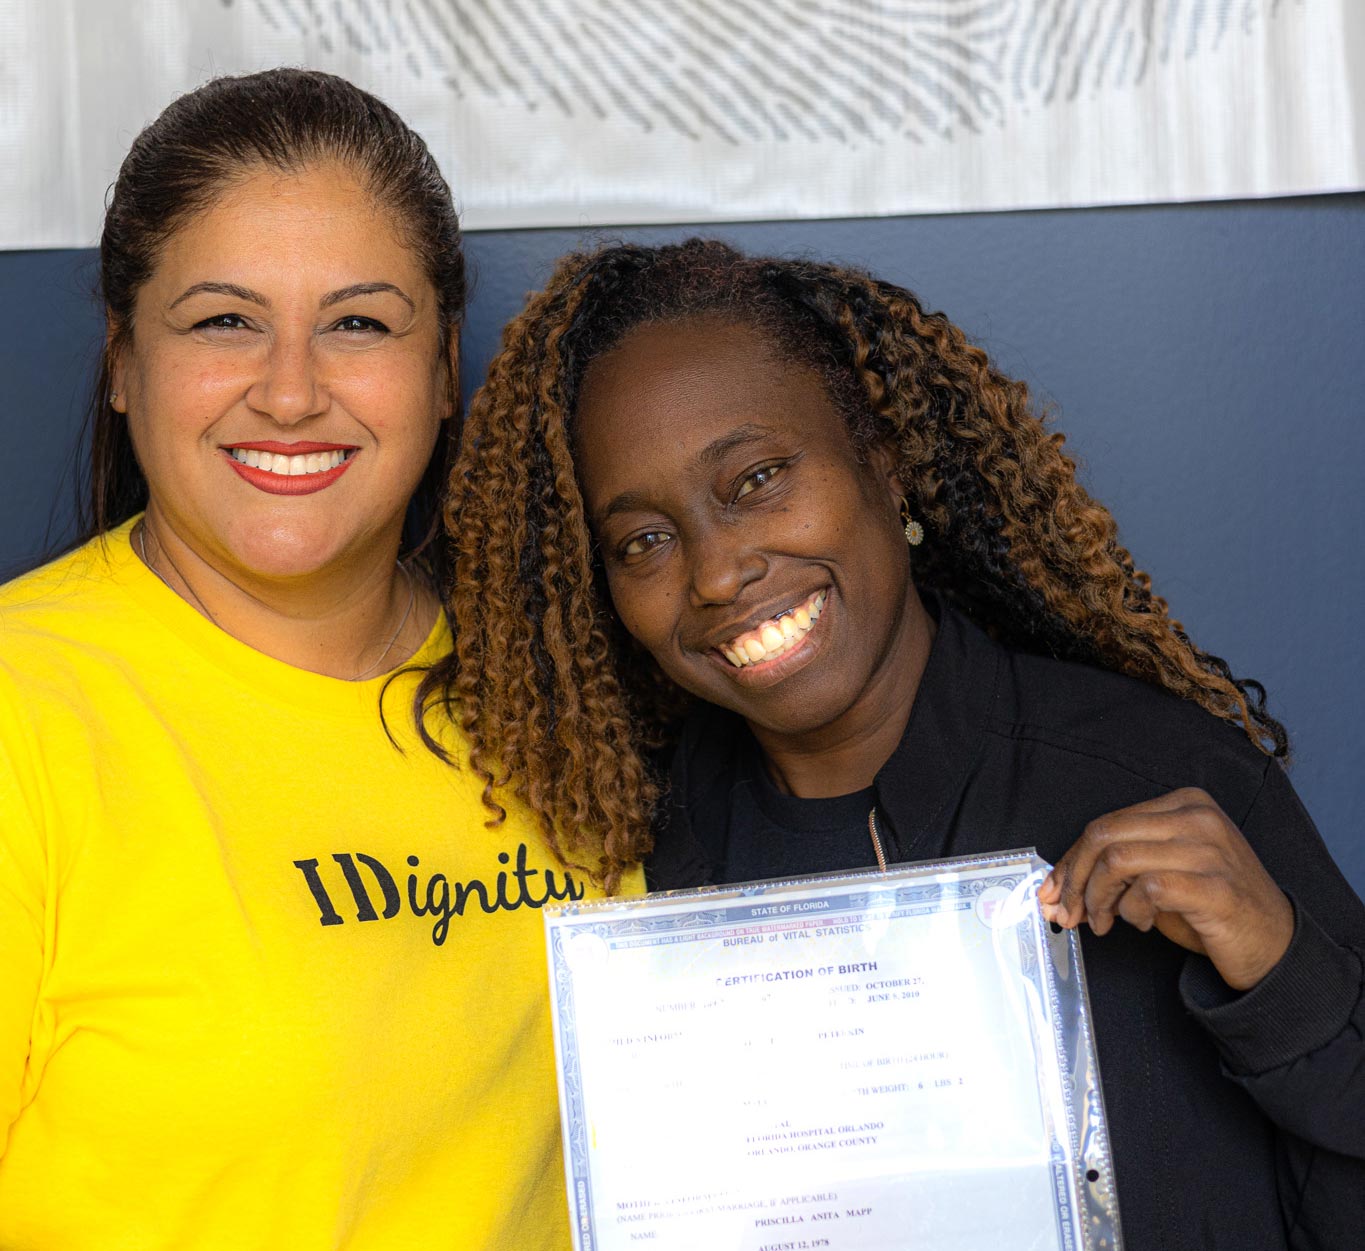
853,1061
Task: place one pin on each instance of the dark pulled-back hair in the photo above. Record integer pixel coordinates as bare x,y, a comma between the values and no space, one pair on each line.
556,700
282,119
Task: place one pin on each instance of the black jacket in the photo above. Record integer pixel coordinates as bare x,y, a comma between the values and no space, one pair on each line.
1237,1120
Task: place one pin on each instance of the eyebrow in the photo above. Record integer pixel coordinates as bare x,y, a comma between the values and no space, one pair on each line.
367,288
626,502
222,288
711,455
716,451
255,297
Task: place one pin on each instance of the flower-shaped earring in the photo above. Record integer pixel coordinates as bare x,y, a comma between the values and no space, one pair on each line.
914,532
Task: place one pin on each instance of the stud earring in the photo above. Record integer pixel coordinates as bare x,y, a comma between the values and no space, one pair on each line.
113,395
914,532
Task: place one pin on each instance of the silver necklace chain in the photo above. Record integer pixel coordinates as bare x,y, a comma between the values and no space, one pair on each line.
393,638
204,608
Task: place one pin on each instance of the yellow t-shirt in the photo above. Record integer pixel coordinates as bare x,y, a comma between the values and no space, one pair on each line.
265,980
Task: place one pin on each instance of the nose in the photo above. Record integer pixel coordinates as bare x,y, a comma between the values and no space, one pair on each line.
722,563
288,389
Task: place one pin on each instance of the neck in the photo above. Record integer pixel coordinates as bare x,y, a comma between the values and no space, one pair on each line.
352,623
845,755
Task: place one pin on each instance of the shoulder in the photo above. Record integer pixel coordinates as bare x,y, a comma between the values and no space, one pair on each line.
64,591
67,619
1097,715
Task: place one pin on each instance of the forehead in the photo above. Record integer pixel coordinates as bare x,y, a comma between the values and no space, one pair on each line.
673,388
319,221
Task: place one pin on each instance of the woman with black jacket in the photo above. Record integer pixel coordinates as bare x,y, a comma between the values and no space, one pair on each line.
778,523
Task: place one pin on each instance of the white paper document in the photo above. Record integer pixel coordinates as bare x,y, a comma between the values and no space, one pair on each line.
855,1062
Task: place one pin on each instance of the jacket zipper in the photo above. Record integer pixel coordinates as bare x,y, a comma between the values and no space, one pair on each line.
876,838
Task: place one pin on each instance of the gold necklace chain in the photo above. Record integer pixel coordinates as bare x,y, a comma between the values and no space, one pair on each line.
204,608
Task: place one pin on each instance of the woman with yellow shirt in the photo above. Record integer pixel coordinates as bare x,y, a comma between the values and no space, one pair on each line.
273,973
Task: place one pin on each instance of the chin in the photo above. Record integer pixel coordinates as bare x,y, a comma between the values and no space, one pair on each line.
794,726
287,551
791,713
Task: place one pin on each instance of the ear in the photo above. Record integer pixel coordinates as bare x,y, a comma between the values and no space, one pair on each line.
884,461
115,357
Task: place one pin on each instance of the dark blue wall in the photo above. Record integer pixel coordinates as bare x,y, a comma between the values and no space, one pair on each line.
1205,361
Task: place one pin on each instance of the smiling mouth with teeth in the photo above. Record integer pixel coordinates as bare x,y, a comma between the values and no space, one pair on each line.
289,466
774,637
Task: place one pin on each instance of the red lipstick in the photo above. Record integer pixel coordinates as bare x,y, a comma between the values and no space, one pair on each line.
289,484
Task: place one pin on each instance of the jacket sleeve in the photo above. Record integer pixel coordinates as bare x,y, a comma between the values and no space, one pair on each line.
1296,1041
23,923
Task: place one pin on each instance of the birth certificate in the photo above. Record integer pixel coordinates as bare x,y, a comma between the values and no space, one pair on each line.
860,1062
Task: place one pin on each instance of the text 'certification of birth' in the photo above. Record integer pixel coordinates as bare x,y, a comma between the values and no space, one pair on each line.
857,1062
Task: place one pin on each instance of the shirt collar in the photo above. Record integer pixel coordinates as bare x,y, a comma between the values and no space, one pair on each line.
918,786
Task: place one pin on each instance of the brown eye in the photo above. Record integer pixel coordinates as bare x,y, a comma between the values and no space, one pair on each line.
759,477
641,544
223,321
361,325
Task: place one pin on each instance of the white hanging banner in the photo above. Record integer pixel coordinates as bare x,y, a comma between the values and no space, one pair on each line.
598,112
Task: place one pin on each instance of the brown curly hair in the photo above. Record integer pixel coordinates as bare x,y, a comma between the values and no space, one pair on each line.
558,703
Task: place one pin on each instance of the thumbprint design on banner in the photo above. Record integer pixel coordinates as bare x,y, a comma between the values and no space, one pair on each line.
754,71
604,112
